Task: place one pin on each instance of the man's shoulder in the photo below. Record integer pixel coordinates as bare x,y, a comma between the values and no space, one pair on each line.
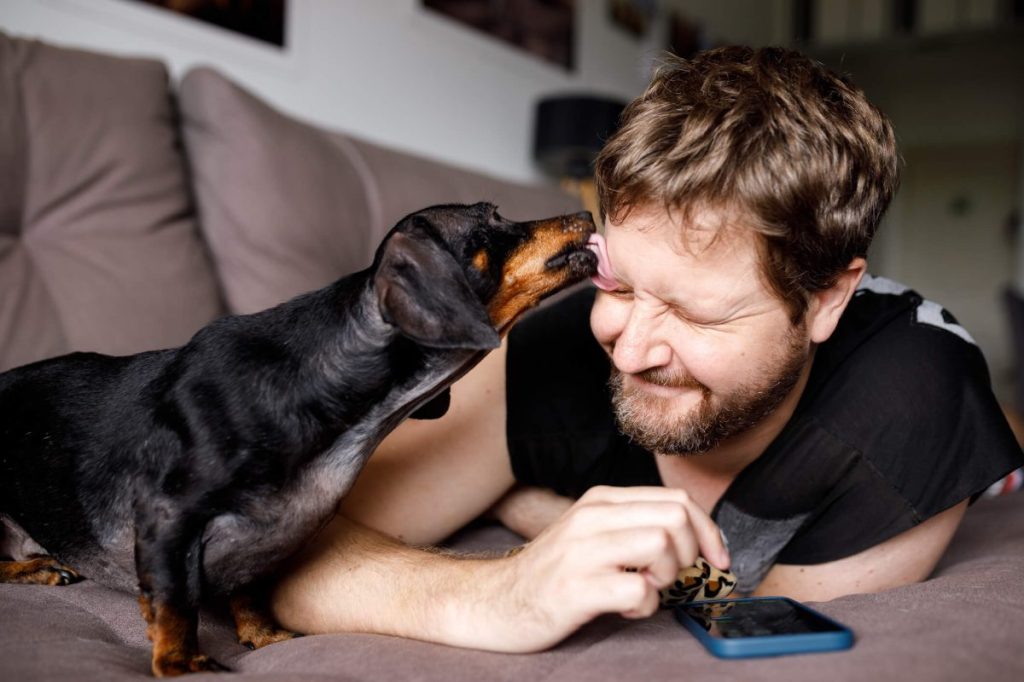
893,345
904,387
884,305
897,424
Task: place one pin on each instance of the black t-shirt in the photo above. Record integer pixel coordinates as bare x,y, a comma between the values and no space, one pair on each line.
896,424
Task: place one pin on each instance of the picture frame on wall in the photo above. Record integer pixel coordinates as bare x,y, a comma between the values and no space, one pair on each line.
542,28
633,16
686,36
262,20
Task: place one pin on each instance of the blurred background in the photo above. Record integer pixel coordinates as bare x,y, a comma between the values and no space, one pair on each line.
461,80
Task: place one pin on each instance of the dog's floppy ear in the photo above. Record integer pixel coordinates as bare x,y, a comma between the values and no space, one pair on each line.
423,292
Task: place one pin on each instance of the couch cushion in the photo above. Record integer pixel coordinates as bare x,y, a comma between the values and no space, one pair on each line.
288,207
99,249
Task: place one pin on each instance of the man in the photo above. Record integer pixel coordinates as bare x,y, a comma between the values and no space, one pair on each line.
741,374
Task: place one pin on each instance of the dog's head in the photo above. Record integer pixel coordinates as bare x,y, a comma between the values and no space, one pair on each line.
459,276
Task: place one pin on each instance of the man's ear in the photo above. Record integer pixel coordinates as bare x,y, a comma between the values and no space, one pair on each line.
827,306
424,293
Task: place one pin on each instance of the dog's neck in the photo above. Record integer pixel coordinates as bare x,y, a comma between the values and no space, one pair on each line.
348,352
356,371
355,361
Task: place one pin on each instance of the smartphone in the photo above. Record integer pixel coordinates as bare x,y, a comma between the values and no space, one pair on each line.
761,626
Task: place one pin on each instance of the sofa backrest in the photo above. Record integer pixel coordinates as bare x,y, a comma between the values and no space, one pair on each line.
99,248
287,207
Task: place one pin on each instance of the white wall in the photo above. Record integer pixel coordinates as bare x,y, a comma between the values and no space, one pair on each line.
957,106
392,72
389,70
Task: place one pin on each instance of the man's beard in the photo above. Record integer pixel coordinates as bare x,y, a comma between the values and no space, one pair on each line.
650,421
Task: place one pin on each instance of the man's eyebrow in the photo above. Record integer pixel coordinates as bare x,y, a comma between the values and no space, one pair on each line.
696,315
690,312
725,312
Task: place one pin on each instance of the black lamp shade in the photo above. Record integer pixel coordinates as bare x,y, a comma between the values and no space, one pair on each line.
570,131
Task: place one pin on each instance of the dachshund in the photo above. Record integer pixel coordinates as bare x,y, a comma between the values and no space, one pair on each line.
192,473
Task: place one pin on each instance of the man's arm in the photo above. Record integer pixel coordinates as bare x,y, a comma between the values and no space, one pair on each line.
357,580
907,558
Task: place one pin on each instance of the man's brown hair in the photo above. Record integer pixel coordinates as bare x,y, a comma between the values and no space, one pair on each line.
772,133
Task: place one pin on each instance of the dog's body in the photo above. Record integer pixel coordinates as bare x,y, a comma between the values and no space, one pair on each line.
198,470
271,456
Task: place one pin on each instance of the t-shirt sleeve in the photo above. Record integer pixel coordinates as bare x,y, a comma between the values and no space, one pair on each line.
560,428
915,429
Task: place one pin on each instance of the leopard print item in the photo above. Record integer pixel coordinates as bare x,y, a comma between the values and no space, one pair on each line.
698,583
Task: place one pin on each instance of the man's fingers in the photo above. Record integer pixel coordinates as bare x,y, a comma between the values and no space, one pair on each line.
672,517
580,561
650,549
709,538
629,594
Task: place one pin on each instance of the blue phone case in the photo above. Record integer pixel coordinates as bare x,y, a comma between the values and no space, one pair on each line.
765,645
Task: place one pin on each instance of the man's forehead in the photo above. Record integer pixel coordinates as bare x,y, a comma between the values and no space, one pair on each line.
708,263
704,231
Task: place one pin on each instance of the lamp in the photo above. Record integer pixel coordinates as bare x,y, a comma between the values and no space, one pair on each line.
568,134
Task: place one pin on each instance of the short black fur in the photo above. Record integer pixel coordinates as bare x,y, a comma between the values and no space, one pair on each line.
197,470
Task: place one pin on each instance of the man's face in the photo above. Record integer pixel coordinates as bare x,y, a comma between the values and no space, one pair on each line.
701,349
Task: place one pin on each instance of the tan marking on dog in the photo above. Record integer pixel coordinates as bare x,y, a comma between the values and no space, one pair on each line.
525,278
254,625
146,608
44,570
175,646
481,260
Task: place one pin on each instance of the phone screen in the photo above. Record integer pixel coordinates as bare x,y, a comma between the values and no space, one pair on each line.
757,618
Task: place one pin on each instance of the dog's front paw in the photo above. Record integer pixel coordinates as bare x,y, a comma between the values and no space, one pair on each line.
174,664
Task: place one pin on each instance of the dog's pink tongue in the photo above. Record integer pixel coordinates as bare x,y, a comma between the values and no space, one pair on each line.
604,278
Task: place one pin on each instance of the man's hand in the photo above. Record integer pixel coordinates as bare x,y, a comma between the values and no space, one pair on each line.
575,570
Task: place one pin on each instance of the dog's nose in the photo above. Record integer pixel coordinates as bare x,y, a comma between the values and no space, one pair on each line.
579,222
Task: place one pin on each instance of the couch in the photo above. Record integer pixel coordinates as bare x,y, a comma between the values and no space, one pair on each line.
133,212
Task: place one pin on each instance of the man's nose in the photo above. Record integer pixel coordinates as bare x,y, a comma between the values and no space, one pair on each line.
640,346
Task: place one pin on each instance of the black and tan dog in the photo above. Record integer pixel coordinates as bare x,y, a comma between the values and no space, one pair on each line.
194,472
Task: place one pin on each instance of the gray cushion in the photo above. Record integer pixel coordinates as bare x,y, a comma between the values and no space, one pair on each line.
99,248
288,207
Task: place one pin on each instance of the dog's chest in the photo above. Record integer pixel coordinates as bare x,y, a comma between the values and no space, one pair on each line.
240,546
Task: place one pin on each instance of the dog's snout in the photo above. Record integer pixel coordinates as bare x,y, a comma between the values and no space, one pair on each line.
553,256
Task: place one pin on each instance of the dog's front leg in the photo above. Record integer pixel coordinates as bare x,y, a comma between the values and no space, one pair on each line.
168,560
